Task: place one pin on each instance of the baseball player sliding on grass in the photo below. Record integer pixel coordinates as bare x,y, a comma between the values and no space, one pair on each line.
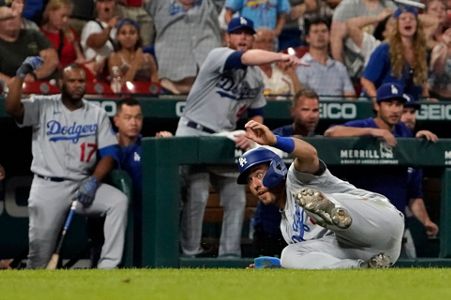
73,149
327,222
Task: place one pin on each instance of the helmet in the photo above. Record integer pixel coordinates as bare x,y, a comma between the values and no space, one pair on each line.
274,175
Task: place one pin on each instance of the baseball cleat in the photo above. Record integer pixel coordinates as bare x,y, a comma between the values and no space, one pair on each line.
379,261
317,203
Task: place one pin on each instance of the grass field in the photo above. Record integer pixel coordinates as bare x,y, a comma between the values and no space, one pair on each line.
227,284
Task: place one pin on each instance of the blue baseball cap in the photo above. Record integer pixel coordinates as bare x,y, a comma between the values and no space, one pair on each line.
411,103
240,23
403,9
390,91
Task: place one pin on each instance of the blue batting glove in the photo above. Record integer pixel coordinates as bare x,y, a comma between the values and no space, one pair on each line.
30,64
87,191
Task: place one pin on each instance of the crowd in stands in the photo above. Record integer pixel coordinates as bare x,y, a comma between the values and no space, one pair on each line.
346,49
360,45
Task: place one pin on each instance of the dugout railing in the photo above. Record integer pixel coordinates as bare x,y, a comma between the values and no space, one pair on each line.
163,158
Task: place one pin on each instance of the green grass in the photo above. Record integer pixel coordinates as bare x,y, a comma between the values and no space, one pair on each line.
227,284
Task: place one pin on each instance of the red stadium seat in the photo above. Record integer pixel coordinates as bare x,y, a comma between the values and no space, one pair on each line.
96,87
40,87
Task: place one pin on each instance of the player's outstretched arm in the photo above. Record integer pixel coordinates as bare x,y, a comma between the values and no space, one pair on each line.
306,156
254,57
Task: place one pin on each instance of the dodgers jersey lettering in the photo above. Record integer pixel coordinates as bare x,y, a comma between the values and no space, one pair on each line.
296,225
225,95
64,142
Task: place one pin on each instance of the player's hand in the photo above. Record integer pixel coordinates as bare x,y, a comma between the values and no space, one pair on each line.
30,64
386,135
431,228
242,142
163,134
87,191
259,133
428,135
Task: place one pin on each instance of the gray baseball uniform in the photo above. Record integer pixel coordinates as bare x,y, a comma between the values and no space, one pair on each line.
377,226
217,100
65,145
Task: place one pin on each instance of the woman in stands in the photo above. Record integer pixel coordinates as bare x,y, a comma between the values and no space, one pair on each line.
55,26
134,64
401,59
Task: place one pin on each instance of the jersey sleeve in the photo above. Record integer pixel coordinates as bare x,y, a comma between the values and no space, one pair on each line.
106,136
32,111
378,64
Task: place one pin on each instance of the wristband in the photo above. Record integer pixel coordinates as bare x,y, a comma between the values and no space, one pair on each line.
285,144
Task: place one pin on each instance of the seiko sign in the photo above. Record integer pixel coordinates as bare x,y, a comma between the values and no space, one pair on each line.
335,111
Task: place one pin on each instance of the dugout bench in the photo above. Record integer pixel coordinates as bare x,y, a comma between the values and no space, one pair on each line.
161,205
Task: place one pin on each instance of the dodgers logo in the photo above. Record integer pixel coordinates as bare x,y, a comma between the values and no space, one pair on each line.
58,132
298,225
242,161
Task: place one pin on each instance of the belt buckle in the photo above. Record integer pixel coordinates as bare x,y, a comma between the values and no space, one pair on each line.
199,127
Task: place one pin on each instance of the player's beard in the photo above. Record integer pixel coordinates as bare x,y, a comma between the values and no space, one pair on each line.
74,98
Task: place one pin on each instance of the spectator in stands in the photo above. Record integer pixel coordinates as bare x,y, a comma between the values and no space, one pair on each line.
440,66
268,239
134,64
55,26
401,59
319,68
392,182
186,31
359,44
16,44
134,9
228,86
15,9
350,9
97,37
434,21
301,13
279,79
270,14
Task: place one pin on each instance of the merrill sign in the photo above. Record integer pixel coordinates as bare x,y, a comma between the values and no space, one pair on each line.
383,155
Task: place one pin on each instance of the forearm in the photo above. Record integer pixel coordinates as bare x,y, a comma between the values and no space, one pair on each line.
258,57
50,64
337,34
104,166
97,40
419,210
369,87
345,131
281,20
363,21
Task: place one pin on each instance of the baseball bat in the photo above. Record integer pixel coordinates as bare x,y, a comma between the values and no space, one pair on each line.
56,254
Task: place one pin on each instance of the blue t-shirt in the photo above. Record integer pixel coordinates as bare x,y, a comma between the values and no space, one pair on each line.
379,71
130,162
390,181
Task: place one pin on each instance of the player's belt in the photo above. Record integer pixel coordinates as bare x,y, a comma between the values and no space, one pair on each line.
197,126
54,179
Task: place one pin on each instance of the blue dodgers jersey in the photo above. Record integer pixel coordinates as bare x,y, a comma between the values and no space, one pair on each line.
390,181
131,163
